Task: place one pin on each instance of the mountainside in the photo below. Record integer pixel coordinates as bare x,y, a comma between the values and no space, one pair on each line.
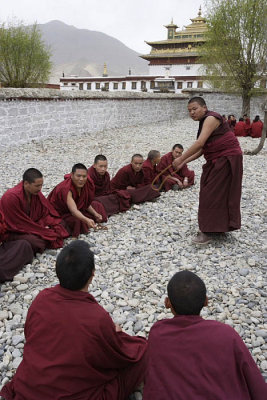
83,52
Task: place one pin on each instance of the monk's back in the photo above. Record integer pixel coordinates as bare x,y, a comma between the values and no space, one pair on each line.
193,359
65,348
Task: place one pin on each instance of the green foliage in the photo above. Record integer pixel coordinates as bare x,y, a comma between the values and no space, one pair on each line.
24,58
235,52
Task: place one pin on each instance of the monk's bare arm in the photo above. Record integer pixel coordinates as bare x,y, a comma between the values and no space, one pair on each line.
76,213
95,214
210,124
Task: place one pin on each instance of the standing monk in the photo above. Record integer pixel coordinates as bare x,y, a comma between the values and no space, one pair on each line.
220,185
73,199
150,166
131,177
112,202
30,216
176,180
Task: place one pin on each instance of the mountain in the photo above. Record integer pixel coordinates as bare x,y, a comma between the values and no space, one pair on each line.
83,52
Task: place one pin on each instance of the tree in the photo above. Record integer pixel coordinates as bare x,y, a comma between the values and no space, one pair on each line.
234,54
24,58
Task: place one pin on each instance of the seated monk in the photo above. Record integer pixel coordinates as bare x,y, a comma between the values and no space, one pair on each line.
150,166
247,125
179,180
74,200
29,215
132,178
73,349
240,128
13,255
256,127
194,358
112,202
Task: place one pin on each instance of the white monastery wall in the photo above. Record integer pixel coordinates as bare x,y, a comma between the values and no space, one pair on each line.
27,114
34,114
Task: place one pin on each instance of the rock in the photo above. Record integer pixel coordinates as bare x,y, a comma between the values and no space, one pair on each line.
16,339
244,271
22,287
138,326
16,362
3,315
261,332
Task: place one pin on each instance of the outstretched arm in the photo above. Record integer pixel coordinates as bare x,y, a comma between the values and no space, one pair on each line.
76,213
97,216
195,151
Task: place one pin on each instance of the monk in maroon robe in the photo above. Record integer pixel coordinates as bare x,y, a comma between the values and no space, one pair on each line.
240,128
29,215
131,177
176,180
247,126
150,166
191,358
112,202
256,127
13,255
74,200
73,349
221,180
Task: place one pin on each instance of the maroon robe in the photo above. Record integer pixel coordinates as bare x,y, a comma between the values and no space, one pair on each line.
191,358
256,129
150,171
72,351
30,222
221,180
58,198
247,127
125,177
240,129
13,255
184,172
112,202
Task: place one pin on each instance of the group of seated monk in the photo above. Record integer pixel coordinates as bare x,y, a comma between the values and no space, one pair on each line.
83,199
245,128
74,350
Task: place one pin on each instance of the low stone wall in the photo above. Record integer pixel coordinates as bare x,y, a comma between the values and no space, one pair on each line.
33,114
225,103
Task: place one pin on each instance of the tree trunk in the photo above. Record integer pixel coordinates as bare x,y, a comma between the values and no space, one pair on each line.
246,103
263,137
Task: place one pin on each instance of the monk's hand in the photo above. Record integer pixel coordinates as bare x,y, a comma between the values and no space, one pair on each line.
180,184
91,223
177,164
185,182
98,217
118,328
130,187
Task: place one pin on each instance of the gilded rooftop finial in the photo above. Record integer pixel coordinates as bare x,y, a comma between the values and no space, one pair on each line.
199,11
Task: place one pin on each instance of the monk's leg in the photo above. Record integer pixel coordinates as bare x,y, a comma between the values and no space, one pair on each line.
13,256
74,226
110,203
142,194
126,382
100,209
38,245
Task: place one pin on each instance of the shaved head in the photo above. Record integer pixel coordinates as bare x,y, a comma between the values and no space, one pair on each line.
198,100
187,293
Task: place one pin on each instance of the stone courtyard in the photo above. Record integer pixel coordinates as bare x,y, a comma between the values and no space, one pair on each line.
145,246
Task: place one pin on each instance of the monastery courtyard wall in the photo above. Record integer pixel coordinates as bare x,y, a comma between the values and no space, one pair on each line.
34,114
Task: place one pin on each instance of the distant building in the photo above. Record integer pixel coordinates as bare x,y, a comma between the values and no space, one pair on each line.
173,65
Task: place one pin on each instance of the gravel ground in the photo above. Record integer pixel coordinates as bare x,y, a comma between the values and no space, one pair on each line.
146,245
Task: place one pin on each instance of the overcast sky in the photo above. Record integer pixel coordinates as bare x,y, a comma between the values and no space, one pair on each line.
130,21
